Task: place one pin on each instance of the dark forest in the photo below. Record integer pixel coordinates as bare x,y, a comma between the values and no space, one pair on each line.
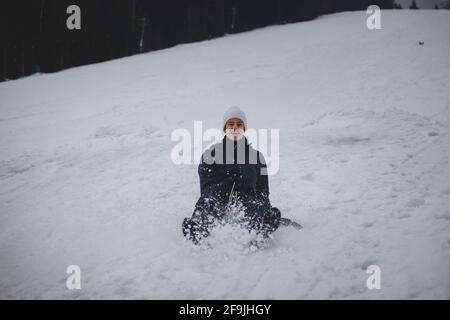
34,36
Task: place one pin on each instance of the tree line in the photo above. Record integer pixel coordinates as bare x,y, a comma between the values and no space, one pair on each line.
35,38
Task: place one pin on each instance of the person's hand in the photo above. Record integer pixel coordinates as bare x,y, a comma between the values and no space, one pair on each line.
228,183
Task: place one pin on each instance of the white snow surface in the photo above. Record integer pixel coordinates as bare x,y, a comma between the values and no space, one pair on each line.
86,176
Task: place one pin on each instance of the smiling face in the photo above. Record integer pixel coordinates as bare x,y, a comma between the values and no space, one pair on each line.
234,129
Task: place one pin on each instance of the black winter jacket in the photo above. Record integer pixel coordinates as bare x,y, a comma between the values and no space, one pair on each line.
217,175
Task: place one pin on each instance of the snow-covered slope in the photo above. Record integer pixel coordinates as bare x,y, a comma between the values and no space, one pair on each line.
364,116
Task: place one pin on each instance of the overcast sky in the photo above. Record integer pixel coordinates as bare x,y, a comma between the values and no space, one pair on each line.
422,4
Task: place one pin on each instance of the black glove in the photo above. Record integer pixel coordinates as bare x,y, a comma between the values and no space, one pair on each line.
229,182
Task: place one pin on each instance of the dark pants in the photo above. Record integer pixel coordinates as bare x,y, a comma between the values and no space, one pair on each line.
211,209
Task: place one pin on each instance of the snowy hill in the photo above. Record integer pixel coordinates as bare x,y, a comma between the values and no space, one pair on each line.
364,116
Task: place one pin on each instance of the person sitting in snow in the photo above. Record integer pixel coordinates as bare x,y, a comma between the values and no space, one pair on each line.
232,173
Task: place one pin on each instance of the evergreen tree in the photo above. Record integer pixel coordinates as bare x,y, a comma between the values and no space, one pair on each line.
413,5
445,4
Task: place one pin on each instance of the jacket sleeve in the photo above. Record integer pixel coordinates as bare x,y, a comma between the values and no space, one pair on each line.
262,184
206,173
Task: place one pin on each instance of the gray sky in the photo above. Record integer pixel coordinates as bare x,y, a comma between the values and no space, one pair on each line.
422,4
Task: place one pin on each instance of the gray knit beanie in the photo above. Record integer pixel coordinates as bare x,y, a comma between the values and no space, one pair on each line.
234,112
